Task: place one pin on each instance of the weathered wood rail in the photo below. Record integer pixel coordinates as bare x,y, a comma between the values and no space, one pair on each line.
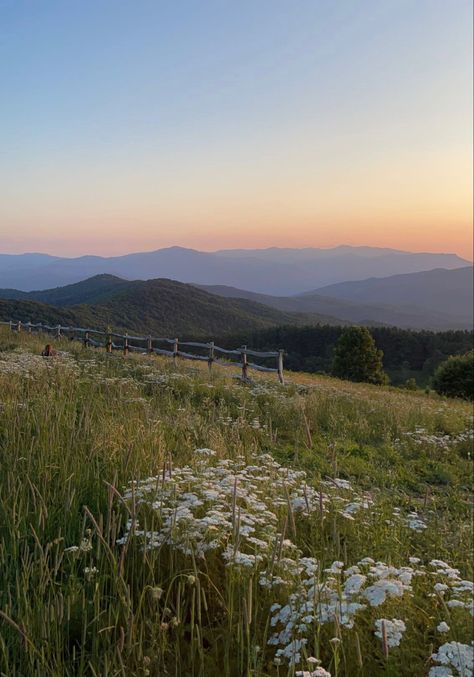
127,343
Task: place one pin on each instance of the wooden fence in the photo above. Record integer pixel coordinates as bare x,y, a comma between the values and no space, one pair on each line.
127,343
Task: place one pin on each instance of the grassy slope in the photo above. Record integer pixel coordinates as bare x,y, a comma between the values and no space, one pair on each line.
70,426
171,308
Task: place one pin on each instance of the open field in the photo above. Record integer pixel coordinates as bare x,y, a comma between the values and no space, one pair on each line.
153,523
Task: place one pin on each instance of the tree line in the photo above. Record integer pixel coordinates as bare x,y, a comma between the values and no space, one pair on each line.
407,354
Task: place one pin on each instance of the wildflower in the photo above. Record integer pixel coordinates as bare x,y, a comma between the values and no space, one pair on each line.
335,568
156,593
86,543
377,593
90,572
443,627
454,655
441,588
415,523
354,583
72,548
394,630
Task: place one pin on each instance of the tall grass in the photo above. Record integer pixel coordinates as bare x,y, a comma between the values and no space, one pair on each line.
77,598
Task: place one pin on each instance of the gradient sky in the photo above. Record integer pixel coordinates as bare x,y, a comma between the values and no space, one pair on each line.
135,124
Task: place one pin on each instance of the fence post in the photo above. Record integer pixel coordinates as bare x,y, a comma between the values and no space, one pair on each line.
29,326
280,366
149,345
211,357
244,363
125,345
86,339
18,326
58,331
10,323
175,352
108,343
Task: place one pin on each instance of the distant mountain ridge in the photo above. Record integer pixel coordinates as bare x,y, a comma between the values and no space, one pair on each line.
450,291
160,307
437,299
274,271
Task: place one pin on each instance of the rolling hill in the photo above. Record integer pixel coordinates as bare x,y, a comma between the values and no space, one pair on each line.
438,299
272,271
159,307
446,291
93,290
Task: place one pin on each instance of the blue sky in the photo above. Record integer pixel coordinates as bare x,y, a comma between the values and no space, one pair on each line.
132,125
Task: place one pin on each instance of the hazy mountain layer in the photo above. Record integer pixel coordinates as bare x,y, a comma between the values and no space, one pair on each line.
271,271
438,299
448,291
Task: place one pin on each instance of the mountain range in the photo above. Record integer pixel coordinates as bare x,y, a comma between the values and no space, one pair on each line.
274,271
437,299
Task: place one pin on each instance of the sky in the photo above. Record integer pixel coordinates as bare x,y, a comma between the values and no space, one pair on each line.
130,125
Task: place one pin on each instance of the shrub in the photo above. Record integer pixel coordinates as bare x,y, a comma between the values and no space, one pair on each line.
357,358
455,376
410,384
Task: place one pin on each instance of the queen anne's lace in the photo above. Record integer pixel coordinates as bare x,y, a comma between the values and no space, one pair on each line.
225,507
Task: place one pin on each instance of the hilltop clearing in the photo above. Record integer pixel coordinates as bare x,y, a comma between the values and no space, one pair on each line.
153,522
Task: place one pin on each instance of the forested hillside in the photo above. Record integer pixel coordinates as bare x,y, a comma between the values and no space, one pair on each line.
159,307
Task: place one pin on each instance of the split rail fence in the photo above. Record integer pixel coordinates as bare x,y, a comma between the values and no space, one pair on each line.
127,343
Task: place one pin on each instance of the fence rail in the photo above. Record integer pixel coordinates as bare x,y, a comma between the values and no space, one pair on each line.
107,342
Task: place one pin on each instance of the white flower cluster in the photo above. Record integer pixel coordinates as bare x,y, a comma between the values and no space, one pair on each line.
27,365
414,522
318,672
336,597
459,591
243,514
164,379
394,630
444,441
228,506
236,507
455,659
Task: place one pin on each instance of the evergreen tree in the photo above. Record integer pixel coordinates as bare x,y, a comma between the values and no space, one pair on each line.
357,358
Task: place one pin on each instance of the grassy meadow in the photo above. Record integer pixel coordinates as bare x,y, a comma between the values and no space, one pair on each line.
155,523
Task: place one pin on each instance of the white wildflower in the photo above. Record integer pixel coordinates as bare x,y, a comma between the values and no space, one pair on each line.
394,630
